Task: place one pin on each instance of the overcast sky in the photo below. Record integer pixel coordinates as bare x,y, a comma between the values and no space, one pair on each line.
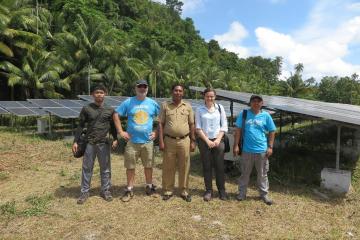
324,35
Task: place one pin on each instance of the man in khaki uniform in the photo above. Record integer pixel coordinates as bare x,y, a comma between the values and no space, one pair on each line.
176,139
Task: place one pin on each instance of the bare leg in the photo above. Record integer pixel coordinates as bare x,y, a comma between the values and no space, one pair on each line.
130,173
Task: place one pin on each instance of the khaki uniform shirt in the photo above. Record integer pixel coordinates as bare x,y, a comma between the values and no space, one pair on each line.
176,119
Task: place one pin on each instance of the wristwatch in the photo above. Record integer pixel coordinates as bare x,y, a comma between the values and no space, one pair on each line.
270,146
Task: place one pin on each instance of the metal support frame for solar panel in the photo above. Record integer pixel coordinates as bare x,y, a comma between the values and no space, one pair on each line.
322,110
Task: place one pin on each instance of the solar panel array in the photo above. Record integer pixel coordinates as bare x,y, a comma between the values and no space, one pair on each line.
115,101
22,108
63,108
344,113
66,108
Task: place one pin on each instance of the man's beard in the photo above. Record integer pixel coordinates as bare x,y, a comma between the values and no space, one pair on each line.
140,94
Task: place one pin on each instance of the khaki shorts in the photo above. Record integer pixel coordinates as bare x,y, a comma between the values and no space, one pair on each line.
135,150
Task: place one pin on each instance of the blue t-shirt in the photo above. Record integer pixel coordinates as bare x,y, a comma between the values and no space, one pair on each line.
140,114
256,129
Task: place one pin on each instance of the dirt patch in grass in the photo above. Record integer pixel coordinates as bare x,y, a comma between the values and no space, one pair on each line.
41,182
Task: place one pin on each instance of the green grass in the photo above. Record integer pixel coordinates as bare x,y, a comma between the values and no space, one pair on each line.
75,176
42,204
63,172
4,175
38,205
8,208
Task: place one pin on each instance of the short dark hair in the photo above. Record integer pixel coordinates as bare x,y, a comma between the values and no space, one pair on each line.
209,90
177,85
98,87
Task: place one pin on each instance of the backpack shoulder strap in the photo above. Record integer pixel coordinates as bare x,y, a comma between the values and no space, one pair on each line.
219,109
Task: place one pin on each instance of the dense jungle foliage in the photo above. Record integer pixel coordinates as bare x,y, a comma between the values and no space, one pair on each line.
59,48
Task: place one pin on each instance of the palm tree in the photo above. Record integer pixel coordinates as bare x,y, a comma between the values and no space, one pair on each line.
211,76
120,74
81,50
18,35
157,67
35,75
294,86
19,26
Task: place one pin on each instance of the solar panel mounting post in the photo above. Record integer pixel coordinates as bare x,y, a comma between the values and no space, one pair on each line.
338,147
50,131
232,112
280,130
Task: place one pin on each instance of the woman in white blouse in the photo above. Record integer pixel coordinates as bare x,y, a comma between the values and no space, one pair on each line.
211,125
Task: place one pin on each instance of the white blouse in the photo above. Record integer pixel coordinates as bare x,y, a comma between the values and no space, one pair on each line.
209,122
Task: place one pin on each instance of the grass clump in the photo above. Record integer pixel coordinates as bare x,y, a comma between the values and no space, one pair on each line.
8,208
3,175
62,172
39,205
75,177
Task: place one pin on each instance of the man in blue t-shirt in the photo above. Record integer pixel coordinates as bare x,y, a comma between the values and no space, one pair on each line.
257,146
140,112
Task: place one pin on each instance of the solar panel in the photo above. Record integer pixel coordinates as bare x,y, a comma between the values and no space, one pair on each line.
195,103
45,103
3,111
119,98
78,110
63,112
22,108
86,98
111,101
334,111
24,112
63,108
39,111
68,103
28,104
10,104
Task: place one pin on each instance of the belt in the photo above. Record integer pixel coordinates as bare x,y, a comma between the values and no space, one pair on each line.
177,138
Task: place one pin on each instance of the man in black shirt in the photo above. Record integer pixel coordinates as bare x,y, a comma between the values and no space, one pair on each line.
97,118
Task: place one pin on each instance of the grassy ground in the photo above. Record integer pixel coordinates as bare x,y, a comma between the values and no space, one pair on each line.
39,182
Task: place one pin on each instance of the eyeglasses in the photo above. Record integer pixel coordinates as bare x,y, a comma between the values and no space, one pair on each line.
142,86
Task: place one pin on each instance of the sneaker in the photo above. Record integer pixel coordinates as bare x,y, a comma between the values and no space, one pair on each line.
128,195
207,195
240,197
167,197
150,190
106,195
223,195
187,198
83,197
267,200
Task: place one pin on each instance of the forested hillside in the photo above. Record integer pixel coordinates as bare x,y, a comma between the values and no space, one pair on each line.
58,48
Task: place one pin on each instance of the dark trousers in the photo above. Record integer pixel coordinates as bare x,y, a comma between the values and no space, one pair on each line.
102,152
212,158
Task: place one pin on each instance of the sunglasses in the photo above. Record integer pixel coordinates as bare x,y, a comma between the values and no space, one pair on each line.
142,86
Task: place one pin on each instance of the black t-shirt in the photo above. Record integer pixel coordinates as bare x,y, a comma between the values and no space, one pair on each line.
97,127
